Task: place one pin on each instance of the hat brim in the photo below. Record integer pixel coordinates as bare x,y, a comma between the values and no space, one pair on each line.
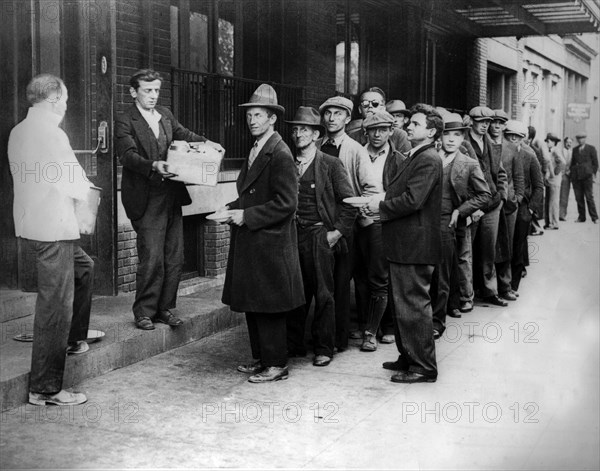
324,107
318,127
487,118
508,133
458,127
278,108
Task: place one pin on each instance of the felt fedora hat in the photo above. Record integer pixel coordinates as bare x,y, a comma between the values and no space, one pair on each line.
453,122
308,116
397,106
264,96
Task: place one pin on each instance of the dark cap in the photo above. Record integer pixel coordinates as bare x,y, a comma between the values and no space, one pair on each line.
308,116
552,137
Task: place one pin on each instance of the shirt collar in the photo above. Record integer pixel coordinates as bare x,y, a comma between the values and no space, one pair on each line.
337,141
383,151
416,148
447,159
260,143
149,115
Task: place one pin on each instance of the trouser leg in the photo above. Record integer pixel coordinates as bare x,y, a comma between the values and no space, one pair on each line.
488,234
565,187
271,333
253,335
465,263
504,269
588,189
173,258
519,248
82,300
440,284
342,275
578,189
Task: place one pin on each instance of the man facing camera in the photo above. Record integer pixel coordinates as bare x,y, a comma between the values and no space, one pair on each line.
410,218
143,134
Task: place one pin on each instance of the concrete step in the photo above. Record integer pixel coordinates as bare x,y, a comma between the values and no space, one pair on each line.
16,304
202,312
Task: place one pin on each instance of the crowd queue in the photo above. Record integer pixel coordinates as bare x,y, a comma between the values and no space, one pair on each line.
425,209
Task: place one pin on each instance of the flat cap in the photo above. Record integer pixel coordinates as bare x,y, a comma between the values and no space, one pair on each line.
581,134
516,127
501,115
383,118
552,137
396,106
481,113
338,102
354,125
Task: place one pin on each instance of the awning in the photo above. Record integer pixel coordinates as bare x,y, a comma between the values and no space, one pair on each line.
495,18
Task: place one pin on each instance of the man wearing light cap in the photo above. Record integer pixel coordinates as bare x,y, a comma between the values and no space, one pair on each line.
485,231
584,166
371,268
557,165
336,113
533,180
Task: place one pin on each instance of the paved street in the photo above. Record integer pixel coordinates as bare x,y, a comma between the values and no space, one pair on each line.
518,388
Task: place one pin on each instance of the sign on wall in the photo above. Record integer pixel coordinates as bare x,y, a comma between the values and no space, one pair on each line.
578,111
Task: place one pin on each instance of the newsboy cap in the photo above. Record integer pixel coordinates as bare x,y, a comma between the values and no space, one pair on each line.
264,96
501,115
337,102
516,127
396,106
581,135
354,125
383,118
481,113
308,116
552,137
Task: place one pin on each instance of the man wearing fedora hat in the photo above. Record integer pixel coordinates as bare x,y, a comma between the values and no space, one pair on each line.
556,167
398,110
324,223
263,277
484,232
336,113
464,191
584,166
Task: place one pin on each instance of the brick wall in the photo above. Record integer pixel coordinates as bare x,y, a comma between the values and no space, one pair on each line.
477,78
127,259
216,243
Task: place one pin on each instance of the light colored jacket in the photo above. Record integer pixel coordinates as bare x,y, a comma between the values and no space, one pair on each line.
47,179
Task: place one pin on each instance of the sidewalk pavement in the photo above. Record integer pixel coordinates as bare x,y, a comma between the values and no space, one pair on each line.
518,388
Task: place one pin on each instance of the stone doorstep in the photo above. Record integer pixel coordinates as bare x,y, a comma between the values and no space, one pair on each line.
202,312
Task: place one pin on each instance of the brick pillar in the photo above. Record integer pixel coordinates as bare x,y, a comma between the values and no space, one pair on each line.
477,78
127,259
216,248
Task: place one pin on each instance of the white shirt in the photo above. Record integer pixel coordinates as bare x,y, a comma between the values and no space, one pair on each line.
47,178
377,165
152,117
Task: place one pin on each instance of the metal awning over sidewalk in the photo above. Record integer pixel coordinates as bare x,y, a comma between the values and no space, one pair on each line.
495,18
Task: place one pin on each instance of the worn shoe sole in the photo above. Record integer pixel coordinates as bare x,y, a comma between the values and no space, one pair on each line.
37,401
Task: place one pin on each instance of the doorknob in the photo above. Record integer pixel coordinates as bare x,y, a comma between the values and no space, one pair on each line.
102,140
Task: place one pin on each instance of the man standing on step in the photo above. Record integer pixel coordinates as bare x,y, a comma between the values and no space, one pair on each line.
44,214
143,134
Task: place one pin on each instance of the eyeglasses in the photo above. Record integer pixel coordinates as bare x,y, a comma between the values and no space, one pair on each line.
373,103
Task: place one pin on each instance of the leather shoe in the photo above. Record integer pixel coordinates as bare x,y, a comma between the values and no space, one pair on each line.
167,317
397,365
508,296
455,313
271,373
369,342
495,301
467,306
595,221
516,293
252,368
388,338
579,220
144,323
356,335
562,219
321,360
411,377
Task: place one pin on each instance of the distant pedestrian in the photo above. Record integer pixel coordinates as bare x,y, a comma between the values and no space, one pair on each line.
565,184
584,166
553,182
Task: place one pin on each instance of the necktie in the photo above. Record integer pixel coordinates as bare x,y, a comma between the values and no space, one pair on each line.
252,155
330,142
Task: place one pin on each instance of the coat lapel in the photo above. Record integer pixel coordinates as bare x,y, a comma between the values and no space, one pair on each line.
259,164
402,166
320,173
144,133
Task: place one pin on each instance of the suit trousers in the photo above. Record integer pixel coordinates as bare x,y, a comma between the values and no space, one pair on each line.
342,274
267,332
464,255
160,253
411,307
504,269
484,234
552,202
440,281
62,310
565,187
520,257
584,193
316,263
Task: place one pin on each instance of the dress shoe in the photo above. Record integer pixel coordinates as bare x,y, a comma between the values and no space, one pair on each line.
252,368
546,226
271,373
81,346
356,335
553,227
455,313
436,334
595,221
144,323
579,220
536,232
562,219
369,342
167,317
397,365
321,360
61,398
516,293
495,301
388,338
524,274
467,306
508,296
411,377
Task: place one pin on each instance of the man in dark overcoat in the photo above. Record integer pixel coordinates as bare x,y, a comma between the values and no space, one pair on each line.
410,218
263,277
324,224
584,166
143,134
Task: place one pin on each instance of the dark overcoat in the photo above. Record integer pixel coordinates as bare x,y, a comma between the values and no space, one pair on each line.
469,184
263,269
137,148
410,212
584,162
